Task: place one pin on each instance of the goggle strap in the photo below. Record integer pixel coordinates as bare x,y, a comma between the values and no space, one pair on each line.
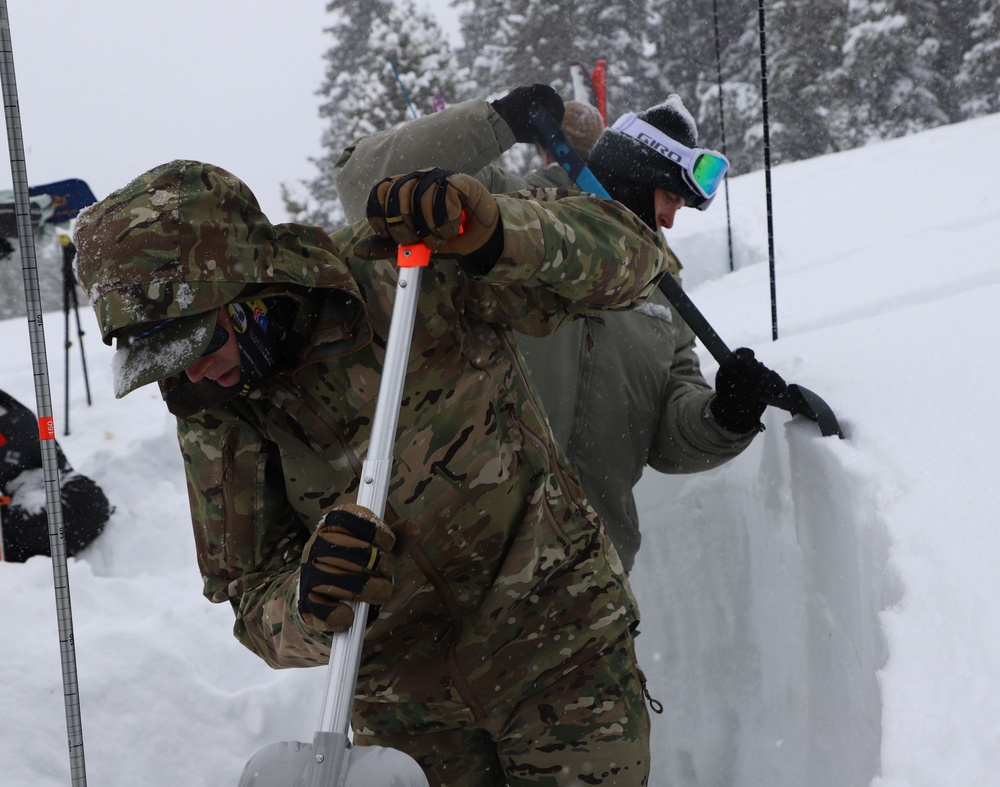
680,154
649,135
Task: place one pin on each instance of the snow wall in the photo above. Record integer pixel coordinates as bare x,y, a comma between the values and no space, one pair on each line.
761,584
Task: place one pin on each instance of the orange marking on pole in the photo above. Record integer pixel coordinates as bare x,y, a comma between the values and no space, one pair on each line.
46,428
414,255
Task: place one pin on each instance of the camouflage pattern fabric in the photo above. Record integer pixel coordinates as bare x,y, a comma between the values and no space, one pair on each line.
587,727
506,579
622,391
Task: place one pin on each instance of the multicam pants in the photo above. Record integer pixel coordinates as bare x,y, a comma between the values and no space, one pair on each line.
589,728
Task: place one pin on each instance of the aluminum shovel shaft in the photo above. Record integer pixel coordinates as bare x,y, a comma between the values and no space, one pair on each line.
328,760
345,653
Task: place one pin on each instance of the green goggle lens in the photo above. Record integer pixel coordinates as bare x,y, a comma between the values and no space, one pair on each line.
708,172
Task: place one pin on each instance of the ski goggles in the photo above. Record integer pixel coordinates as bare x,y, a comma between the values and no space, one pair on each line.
702,169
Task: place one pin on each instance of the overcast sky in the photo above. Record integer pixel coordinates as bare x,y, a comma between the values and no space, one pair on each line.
108,89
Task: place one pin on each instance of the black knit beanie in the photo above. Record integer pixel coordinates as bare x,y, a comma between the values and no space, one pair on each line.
631,171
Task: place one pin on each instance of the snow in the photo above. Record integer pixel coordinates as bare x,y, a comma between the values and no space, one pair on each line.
817,612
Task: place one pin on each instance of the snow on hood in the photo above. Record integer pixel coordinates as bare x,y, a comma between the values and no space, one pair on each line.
186,238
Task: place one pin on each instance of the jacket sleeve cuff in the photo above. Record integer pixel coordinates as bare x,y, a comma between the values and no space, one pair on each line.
504,136
482,262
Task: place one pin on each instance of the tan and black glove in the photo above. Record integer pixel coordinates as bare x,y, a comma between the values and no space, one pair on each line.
452,213
348,558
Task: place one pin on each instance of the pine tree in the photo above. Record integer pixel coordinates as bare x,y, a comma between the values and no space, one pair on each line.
520,42
978,77
619,32
741,89
683,34
804,41
495,31
387,64
887,82
839,73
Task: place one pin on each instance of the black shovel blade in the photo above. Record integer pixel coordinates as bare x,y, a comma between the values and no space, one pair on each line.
801,401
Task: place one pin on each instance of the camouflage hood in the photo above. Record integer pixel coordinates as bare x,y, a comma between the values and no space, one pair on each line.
178,243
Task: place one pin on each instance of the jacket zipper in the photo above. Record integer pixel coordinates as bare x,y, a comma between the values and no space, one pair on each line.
554,466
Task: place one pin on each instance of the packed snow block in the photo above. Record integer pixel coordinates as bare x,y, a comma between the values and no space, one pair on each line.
760,584
844,548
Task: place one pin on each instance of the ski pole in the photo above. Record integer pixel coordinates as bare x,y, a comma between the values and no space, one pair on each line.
796,399
46,428
402,88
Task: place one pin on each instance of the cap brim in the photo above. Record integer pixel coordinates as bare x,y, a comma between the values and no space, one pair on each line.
161,353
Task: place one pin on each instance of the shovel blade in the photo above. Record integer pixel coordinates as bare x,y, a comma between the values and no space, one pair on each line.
330,761
801,401
368,766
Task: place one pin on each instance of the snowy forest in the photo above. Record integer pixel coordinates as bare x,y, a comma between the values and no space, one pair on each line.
838,74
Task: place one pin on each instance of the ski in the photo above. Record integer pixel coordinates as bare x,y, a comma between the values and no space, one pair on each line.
599,81
591,88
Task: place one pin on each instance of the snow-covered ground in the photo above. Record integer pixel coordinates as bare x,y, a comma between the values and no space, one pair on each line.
818,612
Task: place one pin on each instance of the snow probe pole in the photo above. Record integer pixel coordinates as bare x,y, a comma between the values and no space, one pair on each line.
330,760
722,127
796,399
46,428
767,172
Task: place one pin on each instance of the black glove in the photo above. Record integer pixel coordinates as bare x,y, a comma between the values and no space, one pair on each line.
743,385
348,558
450,212
515,109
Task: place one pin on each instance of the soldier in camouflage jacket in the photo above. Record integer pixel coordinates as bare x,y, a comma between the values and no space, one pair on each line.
623,391
504,654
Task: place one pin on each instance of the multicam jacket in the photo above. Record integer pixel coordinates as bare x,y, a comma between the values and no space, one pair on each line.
622,391
505,579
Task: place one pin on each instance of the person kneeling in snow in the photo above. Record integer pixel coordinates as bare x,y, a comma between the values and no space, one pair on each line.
501,647
23,519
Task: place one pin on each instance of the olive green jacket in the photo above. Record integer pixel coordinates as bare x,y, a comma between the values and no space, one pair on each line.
621,392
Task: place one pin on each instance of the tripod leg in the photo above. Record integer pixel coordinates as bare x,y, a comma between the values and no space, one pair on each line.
66,342
79,336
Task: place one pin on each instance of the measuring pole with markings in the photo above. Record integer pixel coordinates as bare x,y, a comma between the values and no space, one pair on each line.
46,427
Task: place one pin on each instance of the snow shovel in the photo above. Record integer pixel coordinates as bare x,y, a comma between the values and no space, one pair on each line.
796,399
330,760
